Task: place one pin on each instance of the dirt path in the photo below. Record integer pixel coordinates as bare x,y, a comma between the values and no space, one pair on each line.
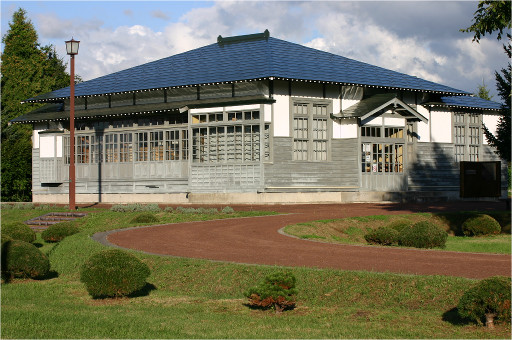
258,241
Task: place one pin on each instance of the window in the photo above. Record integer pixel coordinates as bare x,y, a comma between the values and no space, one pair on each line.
156,146
467,136
392,132
125,147
370,131
236,140
141,143
310,131
82,149
111,148
382,158
97,149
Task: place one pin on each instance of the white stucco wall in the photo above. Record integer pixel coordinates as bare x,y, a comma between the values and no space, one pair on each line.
47,146
392,121
440,127
491,122
423,128
58,142
281,116
226,108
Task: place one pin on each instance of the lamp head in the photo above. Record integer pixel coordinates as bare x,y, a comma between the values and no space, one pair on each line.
72,46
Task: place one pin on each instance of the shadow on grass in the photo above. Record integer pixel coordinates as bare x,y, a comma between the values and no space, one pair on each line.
452,316
144,291
262,308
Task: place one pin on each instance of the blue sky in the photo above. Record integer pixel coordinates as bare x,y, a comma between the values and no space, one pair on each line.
413,37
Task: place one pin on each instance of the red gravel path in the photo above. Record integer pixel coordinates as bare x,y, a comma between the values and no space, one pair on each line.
257,241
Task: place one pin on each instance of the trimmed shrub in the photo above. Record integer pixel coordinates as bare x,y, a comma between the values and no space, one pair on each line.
57,232
276,291
145,218
481,225
228,210
137,207
488,301
113,273
383,235
5,238
23,259
183,210
19,231
400,225
424,234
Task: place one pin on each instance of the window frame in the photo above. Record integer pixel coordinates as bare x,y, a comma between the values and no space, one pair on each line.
307,138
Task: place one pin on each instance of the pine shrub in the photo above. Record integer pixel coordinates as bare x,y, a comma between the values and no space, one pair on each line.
481,225
383,235
276,291
400,225
487,302
57,232
145,218
19,231
424,234
113,273
23,259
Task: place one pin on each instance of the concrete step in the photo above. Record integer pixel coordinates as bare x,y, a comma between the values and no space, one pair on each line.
43,222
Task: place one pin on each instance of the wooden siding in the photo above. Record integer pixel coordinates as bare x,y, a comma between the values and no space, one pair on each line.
434,168
341,173
225,177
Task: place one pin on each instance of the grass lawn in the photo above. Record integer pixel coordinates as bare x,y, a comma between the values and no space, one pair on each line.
352,230
188,298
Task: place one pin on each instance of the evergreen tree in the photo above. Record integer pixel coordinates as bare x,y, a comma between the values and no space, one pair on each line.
501,141
495,16
27,71
483,92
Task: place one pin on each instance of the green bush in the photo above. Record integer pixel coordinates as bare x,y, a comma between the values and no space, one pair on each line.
145,218
57,232
137,207
23,259
424,234
5,238
19,231
488,301
481,225
400,225
276,291
113,273
383,235
228,210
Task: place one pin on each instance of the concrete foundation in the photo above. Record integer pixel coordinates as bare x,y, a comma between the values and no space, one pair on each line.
255,198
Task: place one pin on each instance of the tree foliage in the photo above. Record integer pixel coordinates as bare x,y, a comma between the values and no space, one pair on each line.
483,92
501,140
491,16
28,70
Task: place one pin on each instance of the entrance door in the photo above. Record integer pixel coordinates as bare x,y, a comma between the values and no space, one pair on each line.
382,160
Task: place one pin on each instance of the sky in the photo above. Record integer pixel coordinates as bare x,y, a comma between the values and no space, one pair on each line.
419,38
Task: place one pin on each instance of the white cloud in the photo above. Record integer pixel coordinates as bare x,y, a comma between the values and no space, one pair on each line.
343,28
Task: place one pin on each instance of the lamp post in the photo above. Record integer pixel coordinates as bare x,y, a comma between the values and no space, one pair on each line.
72,50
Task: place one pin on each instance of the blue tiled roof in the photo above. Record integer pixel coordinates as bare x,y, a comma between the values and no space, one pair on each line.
470,102
247,60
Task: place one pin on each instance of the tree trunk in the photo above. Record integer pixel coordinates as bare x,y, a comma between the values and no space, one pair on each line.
489,320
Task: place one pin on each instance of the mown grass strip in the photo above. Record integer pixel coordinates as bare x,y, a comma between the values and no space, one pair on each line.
192,298
352,230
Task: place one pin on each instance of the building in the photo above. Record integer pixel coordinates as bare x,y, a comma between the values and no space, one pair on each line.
255,119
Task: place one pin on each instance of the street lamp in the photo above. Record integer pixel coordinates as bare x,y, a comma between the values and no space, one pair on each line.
72,50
